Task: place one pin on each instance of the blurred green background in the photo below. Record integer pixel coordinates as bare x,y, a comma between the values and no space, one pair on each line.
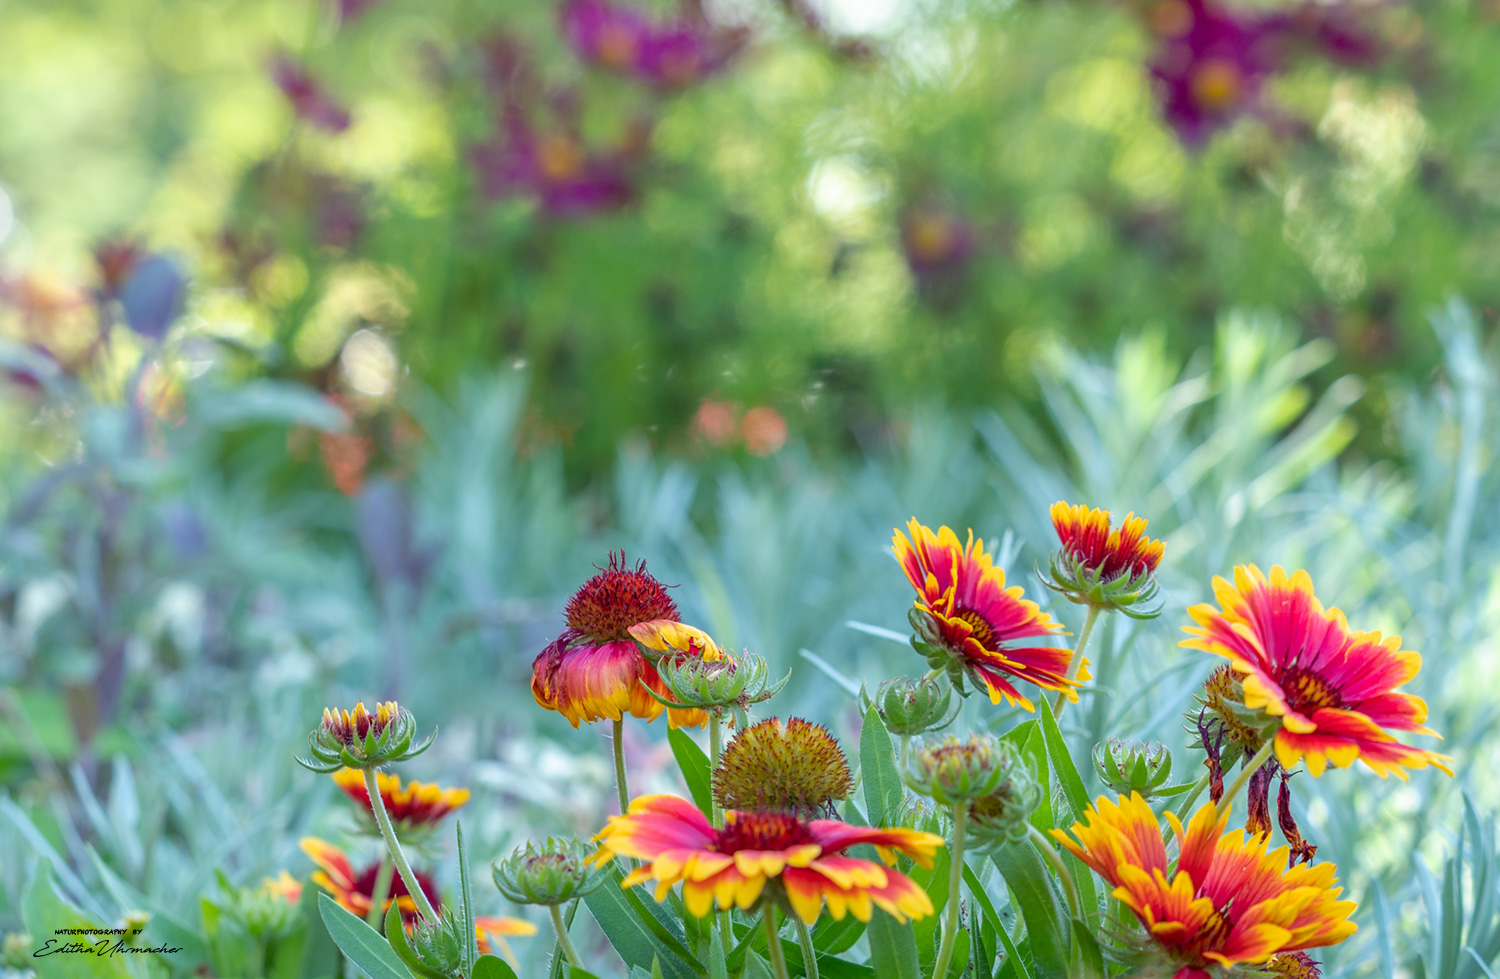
340,339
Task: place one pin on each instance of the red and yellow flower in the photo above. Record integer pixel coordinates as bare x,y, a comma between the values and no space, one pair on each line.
1103,566
1228,902
416,804
1329,690
971,623
355,890
767,855
594,670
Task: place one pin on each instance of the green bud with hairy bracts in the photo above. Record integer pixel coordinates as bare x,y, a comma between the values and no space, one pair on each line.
434,949
1133,766
911,707
728,682
951,771
1004,816
363,739
551,873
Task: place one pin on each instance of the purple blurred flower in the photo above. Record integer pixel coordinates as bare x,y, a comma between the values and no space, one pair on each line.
351,9
152,297
308,99
671,55
554,167
935,240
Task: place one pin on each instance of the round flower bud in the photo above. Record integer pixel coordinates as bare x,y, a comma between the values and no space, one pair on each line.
553,873
1004,816
363,739
951,771
708,683
433,949
914,706
1133,766
784,766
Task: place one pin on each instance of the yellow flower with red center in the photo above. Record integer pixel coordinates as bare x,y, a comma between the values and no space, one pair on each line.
416,804
1228,901
594,670
355,893
970,623
1330,690
767,855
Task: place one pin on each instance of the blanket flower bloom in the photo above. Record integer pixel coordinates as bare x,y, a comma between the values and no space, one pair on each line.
969,623
595,669
354,891
1329,690
1103,566
799,864
1229,901
416,804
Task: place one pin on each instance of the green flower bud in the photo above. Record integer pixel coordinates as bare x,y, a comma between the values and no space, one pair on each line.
1133,766
951,771
15,953
553,873
914,706
434,949
1004,816
361,739
734,682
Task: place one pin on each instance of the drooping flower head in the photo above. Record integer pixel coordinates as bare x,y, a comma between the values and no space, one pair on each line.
1102,566
355,890
595,668
970,624
415,805
785,766
1229,902
1329,692
668,55
758,856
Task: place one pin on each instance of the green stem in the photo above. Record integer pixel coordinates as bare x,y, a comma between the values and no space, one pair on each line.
1226,802
377,805
376,917
809,954
569,952
932,674
1077,659
773,943
620,784
955,878
715,746
905,752
1186,806
1049,853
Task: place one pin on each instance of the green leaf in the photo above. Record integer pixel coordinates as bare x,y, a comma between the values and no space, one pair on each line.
1033,894
877,763
395,934
893,948
636,934
717,967
44,911
360,943
1087,954
832,937
695,768
490,967
1078,803
988,907
466,901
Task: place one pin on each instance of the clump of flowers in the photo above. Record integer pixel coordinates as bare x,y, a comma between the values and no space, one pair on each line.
970,625
783,766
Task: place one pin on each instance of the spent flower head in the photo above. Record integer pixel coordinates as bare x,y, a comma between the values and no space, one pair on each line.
783,766
1109,569
363,739
550,873
951,770
911,707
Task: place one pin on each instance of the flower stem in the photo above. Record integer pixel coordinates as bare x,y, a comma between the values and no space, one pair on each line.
382,890
620,784
932,674
1083,641
905,751
715,745
773,943
809,954
1186,806
1226,802
1050,854
569,952
377,805
955,878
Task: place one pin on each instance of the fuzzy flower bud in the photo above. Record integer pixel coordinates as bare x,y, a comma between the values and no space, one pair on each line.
433,949
550,874
1133,766
951,771
728,682
1004,816
914,706
363,739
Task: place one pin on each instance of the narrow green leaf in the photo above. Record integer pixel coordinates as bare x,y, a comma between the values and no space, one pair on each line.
883,788
1033,894
1088,956
360,944
893,949
1078,802
1383,935
636,934
695,768
988,906
491,967
466,901
717,968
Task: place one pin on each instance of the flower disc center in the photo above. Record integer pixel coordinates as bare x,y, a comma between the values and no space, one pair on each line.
761,831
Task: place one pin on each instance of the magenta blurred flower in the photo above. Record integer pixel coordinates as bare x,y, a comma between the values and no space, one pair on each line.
308,99
351,9
669,55
554,167
935,240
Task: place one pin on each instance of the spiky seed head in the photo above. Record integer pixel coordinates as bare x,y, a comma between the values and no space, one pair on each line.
1241,727
786,766
550,873
1294,965
618,597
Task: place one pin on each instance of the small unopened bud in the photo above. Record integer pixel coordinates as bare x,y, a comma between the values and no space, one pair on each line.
1132,766
434,949
1004,816
550,874
732,682
911,707
952,771
363,739
15,952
